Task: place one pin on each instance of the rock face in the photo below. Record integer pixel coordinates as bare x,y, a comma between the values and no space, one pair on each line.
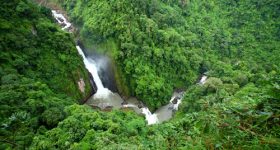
175,100
81,84
60,19
124,103
82,81
33,30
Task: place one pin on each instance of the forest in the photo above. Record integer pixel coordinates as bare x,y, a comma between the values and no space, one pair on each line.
158,46
162,45
39,68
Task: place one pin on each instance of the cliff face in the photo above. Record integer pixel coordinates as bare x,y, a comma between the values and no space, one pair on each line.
114,78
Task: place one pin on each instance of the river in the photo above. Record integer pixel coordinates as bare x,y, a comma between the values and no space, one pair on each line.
105,98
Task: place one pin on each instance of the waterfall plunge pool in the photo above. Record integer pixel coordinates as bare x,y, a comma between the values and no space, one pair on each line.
104,98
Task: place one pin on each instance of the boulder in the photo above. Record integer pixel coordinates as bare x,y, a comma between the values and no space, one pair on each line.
175,100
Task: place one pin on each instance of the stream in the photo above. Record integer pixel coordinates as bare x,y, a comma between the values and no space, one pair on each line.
106,99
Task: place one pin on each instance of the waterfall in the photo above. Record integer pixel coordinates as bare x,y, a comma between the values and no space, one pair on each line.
61,20
91,66
104,97
89,63
151,118
104,92
203,79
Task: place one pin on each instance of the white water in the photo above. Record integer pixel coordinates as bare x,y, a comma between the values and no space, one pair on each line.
179,97
60,17
164,113
151,118
130,106
91,66
203,79
104,97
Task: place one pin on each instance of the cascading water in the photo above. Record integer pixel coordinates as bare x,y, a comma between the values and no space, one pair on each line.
61,20
203,79
104,97
91,66
164,113
151,118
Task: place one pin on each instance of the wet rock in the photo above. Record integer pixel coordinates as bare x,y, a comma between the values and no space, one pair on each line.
126,109
108,108
93,85
60,19
124,97
180,90
63,24
81,85
71,29
33,30
175,100
140,106
124,103
79,43
94,106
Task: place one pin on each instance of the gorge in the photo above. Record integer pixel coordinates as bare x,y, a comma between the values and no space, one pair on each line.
139,74
104,98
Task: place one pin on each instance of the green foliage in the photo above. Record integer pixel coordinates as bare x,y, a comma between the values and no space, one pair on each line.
213,84
37,49
151,53
237,118
159,45
222,125
25,105
39,70
90,129
163,45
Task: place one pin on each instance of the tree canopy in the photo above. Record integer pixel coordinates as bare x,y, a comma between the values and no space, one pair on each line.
164,45
39,71
158,46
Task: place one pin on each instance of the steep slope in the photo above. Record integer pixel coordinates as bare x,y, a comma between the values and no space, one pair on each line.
40,69
163,45
160,45
236,44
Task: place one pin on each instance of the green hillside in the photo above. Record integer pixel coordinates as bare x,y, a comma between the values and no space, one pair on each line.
164,45
40,69
158,46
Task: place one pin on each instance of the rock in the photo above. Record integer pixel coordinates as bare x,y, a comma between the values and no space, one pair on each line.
81,85
93,85
108,108
33,30
124,103
140,106
60,19
124,97
94,106
62,24
179,90
175,100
